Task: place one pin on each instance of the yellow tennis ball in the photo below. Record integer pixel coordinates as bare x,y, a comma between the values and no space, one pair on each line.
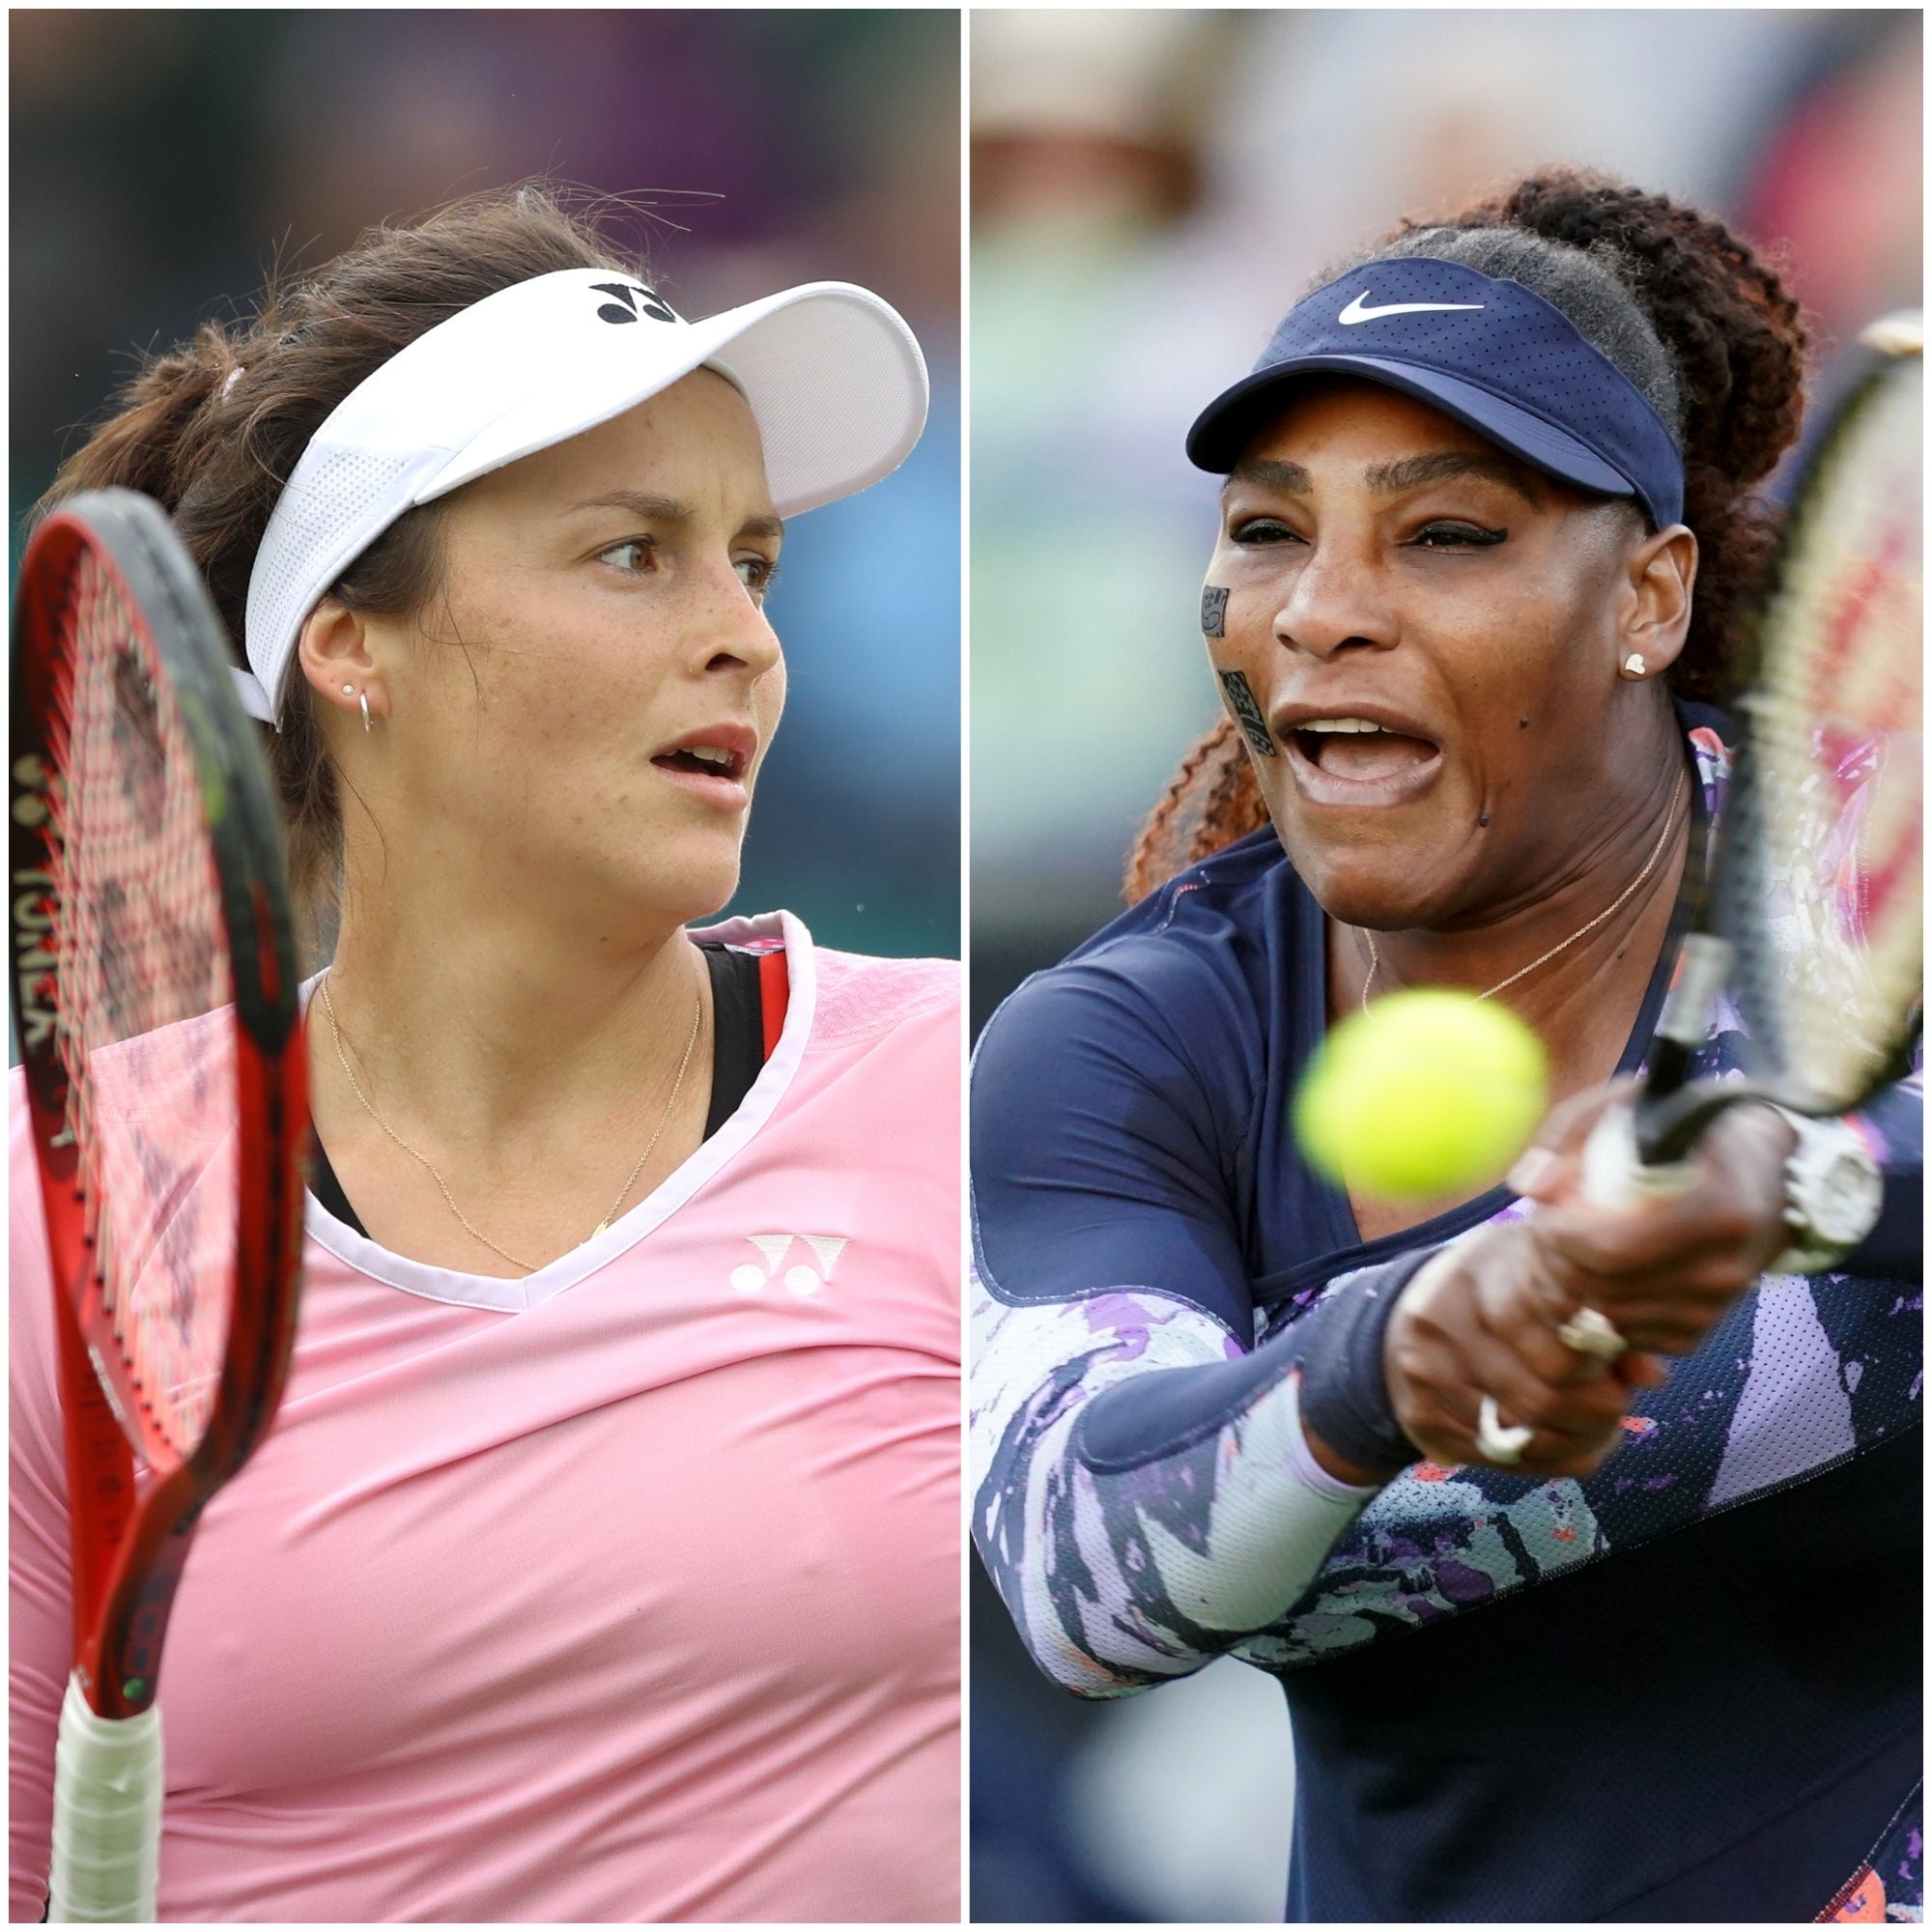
1423,1093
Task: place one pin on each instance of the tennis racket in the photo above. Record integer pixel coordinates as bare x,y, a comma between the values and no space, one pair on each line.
1814,914
1810,913
156,1006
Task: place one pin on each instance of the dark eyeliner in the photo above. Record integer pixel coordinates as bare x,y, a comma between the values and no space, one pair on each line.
1473,536
1247,530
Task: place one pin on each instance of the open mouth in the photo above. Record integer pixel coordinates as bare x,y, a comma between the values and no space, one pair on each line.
711,761
1360,751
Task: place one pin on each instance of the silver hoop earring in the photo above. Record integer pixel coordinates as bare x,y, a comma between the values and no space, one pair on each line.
1633,665
365,711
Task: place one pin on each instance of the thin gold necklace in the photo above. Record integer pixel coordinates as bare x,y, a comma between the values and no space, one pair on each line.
1544,959
528,1268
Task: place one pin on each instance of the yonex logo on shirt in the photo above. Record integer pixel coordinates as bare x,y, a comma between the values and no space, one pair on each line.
748,1277
636,300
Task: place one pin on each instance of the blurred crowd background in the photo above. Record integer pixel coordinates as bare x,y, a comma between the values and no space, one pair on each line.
163,161
1151,191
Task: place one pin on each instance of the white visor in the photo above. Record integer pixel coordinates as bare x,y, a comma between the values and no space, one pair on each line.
832,376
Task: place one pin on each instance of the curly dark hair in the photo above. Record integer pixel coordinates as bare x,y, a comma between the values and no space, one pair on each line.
1699,324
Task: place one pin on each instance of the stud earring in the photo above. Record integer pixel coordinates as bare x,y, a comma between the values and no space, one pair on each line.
1633,665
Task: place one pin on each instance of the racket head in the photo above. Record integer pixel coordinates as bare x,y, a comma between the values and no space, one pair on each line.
1819,882
157,1002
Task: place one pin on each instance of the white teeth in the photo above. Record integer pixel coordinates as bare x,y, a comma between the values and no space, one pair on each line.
710,753
1337,725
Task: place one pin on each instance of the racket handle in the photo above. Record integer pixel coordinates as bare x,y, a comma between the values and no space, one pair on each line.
107,1815
1614,1174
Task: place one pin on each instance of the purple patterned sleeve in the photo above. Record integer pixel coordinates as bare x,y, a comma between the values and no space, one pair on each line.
1124,1568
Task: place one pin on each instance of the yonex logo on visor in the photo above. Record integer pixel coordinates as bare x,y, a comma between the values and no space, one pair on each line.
1358,311
637,299
1486,352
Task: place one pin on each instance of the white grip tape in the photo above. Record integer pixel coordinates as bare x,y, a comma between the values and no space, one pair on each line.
108,1785
1613,1176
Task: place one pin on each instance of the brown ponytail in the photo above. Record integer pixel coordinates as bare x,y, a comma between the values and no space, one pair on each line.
216,453
1696,321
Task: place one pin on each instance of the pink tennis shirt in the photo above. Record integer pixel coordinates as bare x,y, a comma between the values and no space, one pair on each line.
627,1591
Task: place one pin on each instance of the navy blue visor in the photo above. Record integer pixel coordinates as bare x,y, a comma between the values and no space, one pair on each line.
1491,353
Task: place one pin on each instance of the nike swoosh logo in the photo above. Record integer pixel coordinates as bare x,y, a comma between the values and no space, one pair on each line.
1358,310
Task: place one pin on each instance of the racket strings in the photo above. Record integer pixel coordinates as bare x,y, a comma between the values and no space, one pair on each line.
142,972
1835,776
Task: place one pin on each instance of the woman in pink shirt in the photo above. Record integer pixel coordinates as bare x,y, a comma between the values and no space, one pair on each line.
603,1562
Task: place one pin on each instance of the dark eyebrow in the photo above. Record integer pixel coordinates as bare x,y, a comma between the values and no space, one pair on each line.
1414,472
1267,474
641,504
1391,479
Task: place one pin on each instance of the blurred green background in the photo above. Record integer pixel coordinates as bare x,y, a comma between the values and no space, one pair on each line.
162,160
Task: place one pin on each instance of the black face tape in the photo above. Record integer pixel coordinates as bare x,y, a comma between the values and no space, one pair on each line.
1247,714
1213,612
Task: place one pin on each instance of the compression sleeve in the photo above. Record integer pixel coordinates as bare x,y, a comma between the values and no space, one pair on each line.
1144,1493
1145,1498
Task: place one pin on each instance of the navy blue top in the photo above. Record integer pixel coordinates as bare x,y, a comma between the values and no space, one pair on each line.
1722,1721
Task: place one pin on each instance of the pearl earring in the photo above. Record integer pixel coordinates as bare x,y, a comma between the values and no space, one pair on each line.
1633,665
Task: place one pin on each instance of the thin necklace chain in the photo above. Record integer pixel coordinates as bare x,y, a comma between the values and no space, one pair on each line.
1544,959
528,1268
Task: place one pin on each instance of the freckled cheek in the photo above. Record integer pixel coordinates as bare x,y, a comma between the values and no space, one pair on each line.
598,685
768,698
560,707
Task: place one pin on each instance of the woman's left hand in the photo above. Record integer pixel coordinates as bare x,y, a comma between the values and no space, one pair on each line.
1469,1325
1660,1271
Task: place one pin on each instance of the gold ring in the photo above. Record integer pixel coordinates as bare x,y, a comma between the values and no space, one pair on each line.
1589,1333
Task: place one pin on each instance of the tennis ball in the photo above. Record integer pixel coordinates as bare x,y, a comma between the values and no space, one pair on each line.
1422,1093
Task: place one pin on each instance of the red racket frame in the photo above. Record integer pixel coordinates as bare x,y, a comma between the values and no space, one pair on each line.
129,1542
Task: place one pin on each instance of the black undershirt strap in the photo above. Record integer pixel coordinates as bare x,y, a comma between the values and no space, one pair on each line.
738,1053
738,1040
